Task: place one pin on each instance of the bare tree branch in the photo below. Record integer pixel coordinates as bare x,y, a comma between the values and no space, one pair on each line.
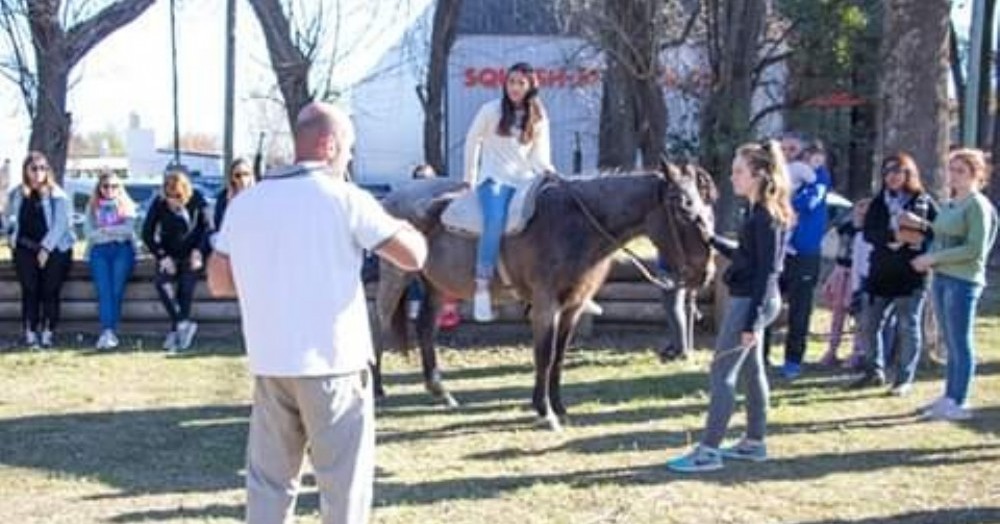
85,35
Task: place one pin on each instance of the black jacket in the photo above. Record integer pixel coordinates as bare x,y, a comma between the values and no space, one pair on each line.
757,261
167,233
889,271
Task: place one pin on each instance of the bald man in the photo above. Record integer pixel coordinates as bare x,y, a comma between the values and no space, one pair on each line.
291,251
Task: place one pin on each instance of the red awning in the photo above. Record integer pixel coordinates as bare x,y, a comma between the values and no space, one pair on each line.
835,100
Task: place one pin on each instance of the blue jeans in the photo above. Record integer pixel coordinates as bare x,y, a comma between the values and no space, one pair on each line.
110,266
729,365
878,316
494,199
955,303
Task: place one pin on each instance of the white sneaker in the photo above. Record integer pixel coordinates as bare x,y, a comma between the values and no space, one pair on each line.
170,343
46,339
482,306
931,406
186,330
102,341
113,341
31,340
949,411
592,308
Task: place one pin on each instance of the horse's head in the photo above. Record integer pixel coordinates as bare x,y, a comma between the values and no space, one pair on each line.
678,228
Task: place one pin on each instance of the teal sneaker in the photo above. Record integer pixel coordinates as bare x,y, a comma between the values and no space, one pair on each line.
746,449
701,458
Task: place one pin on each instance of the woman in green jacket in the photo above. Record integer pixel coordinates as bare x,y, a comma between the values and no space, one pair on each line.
964,231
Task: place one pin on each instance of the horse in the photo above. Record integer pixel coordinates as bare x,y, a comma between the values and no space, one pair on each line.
555,264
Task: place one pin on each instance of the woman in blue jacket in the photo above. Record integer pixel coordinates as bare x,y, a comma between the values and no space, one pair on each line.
41,238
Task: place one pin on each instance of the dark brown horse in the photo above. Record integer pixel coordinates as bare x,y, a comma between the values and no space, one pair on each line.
557,263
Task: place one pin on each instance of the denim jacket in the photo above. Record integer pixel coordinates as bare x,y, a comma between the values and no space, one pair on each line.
56,206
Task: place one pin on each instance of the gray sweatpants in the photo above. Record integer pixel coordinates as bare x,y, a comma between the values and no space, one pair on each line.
335,416
729,364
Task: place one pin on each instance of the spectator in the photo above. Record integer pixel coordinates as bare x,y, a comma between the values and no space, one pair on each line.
448,317
678,303
41,238
964,233
759,176
175,231
239,178
897,227
305,321
110,226
802,263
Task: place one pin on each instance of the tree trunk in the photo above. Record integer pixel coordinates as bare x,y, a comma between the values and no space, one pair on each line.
633,112
957,73
913,88
57,51
50,127
993,190
734,30
290,65
985,72
432,95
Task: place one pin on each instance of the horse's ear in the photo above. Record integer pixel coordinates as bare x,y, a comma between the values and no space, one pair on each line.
670,170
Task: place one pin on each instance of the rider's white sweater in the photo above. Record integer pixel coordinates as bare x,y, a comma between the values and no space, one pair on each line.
504,158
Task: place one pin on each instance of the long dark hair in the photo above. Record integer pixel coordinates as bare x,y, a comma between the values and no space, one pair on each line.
533,111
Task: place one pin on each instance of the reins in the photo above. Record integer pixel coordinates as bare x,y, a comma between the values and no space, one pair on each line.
630,255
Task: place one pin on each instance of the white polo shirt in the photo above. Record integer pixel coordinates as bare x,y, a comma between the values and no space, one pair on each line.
295,243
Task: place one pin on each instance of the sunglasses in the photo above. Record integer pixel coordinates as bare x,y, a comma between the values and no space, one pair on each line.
174,197
242,174
893,170
39,168
111,186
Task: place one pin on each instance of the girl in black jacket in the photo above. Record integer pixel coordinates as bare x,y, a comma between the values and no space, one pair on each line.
175,231
897,227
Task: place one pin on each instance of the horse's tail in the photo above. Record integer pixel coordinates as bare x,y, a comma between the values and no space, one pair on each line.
390,310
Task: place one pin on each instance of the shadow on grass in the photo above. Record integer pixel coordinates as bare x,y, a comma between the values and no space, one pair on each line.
933,516
138,452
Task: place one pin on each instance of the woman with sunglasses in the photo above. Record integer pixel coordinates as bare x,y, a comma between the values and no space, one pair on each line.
110,228
897,226
175,231
41,237
240,178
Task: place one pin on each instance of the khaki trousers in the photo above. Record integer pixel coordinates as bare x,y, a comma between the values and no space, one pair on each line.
335,416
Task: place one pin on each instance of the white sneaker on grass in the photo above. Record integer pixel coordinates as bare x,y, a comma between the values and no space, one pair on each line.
46,339
31,340
170,342
948,411
186,329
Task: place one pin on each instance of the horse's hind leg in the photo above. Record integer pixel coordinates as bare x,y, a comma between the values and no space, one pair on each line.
426,327
390,316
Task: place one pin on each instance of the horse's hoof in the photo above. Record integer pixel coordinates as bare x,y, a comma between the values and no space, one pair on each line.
550,422
449,400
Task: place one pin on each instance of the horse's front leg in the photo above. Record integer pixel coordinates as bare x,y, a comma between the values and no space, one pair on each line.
426,328
569,319
544,325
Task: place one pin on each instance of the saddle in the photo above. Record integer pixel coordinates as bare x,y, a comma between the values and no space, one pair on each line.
463,216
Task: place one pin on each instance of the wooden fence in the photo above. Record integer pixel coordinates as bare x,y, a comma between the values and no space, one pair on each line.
625,297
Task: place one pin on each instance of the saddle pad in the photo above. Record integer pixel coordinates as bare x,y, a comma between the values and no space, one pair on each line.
464,216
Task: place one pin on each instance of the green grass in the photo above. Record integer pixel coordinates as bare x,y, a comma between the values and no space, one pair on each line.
137,437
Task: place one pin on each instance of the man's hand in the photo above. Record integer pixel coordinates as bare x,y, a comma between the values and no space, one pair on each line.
43,257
